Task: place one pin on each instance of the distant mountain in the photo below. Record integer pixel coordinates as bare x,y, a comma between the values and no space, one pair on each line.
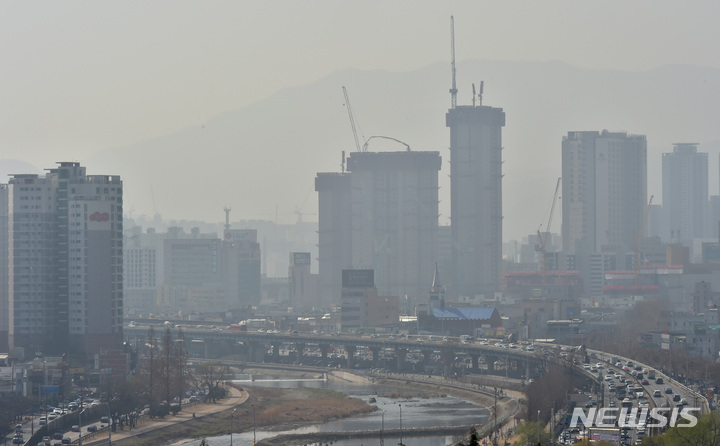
11,167
265,156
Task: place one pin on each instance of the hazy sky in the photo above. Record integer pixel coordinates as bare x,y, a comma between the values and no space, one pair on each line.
82,76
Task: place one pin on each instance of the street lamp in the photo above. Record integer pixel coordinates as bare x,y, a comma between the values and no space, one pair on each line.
254,438
382,429
80,421
231,424
401,440
538,421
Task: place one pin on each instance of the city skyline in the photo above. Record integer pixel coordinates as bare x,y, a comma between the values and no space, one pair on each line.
144,87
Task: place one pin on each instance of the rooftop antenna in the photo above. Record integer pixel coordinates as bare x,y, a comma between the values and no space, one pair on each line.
453,90
482,87
227,219
342,163
473,94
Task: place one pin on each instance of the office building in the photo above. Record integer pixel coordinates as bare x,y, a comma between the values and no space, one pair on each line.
685,193
362,306
302,283
142,270
476,199
242,262
65,252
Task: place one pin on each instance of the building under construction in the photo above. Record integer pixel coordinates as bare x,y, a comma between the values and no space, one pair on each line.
476,193
476,198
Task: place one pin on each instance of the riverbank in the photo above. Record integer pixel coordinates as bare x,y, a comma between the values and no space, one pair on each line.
272,409
287,409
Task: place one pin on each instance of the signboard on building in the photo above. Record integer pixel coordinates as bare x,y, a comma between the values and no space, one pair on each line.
98,215
241,235
300,258
358,278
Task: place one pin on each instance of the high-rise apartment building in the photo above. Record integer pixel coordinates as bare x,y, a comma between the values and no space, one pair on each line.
65,267
476,199
604,195
685,193
394,210
334,229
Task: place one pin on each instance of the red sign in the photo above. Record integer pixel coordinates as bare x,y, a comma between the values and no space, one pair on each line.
100,216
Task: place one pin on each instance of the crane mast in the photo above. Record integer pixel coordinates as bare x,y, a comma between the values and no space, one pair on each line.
453,90
637,239
543,241
352,119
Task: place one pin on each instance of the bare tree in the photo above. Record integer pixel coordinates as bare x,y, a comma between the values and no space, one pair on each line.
211,374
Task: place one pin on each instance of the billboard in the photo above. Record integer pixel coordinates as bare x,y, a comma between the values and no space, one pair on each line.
358,278
241,235
300,258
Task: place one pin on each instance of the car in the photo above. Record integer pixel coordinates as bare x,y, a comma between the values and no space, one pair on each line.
18,428
658,381
18,440
92,428
106,420
657,393
75,428
51,417
668,390
676,397
58,436
645,382
684,402
46,440
66,440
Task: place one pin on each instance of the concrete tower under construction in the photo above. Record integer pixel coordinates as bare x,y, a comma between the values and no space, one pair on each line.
476,199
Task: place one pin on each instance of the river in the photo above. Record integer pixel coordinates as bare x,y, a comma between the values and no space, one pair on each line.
416,412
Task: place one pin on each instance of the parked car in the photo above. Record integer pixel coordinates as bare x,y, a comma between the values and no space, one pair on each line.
92,428
105,420
75,428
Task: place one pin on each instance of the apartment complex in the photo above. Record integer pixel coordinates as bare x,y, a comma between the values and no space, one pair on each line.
604,196
685,194
394,219
65,270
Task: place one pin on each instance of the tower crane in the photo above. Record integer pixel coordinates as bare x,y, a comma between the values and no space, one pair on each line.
543,240
453,90
352,119
364,147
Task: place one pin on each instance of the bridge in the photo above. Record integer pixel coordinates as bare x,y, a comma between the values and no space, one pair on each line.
390,352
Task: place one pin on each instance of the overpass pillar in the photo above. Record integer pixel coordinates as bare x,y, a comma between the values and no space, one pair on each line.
401,353
474,358
350,349
447,356
375,356
490,360
527,370
324,350
257,351
299,349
